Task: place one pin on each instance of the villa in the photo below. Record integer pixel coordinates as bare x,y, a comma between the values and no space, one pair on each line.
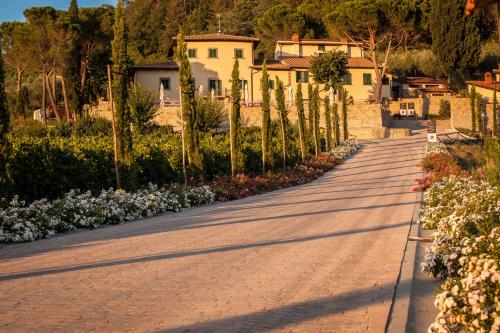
488,86
212,57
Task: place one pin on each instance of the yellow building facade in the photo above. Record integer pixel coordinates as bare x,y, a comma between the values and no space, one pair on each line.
212,57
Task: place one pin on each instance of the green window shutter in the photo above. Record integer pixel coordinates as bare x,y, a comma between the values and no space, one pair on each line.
238,53
192,53
297,77
367,79
212,53
348,79
306,77
219,87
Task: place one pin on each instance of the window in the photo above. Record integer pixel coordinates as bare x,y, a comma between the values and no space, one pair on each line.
212,53
367,79
238,53
348,79
243,83
302,77
165,81
215,85
192,53
321,47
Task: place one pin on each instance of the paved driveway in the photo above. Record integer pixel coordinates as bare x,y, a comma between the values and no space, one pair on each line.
322,257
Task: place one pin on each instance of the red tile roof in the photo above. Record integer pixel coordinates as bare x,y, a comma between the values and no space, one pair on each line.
422,80
485,85
303,62
219,37
172,65
272,65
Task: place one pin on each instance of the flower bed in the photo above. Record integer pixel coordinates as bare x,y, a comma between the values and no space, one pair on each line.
232,188
465,214
21,222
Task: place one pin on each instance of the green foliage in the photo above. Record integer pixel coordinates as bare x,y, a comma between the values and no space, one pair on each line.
120,89
472,97
456,39
492,160
414,62
283,115
494,119
328,125
480,112
310,109
143,106
299,102
4,128
444,109
235,118
211,114
266,119
329,68
314,110
345,126
22,104
336,123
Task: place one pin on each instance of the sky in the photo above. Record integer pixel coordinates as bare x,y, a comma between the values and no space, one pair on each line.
12,10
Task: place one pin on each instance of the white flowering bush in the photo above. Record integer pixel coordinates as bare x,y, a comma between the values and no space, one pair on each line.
435,148
344,149
20,221
471,300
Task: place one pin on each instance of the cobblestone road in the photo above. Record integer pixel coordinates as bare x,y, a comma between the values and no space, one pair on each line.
322,257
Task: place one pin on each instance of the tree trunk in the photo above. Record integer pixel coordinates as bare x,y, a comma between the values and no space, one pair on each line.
44,93
65,98
19,79
51,98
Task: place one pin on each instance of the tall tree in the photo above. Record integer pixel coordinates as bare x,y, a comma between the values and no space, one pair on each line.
283,115
235,118
371,23
329,68
22,103
316,115
495,110
328,124
310,109
120,82
345,111
456,39
266,119
299,102
473,107
4,127
14,40
188,104
336,123
479,113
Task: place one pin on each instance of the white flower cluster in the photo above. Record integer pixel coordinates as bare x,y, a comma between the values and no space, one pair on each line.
466,252
435,148
20,221
344,149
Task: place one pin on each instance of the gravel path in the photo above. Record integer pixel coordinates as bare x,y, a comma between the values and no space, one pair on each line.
322,257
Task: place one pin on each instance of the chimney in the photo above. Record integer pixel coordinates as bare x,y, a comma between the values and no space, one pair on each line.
296,38
488,78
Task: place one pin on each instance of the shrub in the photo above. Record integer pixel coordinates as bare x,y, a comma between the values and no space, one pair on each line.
444,109
492,160
211,114
143,104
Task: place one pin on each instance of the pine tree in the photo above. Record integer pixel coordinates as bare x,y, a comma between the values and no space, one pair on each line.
283,115
345,127
120,82
4,128
494,120
328,125
336,123
473,107
235,118
316,128
299,102
190,133
266,119
22,103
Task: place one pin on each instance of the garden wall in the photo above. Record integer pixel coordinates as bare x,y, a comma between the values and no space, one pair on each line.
461,114
365,121
423,105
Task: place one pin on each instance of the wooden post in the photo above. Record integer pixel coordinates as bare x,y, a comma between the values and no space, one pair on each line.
115,144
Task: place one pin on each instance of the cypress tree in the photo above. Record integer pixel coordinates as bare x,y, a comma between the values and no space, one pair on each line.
71,62
235,117
345,128
190,135
283,114
494,120
310,96
266,118
328,125
299,101
479,113
4,128
336,123
473,107
120,72
316,128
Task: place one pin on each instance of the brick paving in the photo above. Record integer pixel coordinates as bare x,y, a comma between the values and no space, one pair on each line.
323,257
